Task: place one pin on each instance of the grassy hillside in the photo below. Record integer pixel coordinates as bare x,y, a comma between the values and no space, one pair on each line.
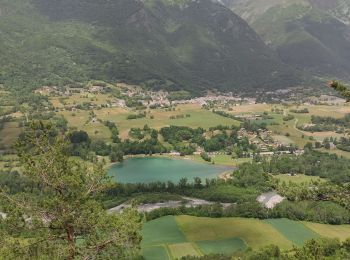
191,45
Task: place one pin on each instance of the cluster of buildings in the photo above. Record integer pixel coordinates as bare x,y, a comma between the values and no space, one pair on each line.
152,99
266,144
68,91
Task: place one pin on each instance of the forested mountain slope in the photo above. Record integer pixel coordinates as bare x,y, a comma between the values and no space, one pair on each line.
312,35
185,44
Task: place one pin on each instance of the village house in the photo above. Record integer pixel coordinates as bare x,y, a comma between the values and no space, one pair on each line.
96,89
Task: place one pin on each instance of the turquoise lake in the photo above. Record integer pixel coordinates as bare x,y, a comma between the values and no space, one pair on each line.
153,169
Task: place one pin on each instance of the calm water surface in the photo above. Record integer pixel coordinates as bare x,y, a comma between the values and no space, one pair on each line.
152,169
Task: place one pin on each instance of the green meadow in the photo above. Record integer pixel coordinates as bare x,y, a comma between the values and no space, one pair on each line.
173,237
294,231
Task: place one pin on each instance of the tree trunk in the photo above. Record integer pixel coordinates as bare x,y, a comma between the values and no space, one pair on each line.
71,241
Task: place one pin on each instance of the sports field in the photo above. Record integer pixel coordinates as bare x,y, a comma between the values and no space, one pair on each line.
174,237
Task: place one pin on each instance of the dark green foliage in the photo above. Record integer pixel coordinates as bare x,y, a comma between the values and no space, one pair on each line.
225,114
175,134
114,131
205,157
15,183
341,89
288,117
100,147
315,211
135,116
251,175
313,163
78,137
322,124
151,43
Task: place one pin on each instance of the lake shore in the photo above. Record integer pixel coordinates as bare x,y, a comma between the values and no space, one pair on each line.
143,168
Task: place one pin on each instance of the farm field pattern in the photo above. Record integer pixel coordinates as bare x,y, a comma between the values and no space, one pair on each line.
174,237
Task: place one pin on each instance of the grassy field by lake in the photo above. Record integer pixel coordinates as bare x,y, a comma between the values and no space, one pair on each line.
198,117
82,120
220,159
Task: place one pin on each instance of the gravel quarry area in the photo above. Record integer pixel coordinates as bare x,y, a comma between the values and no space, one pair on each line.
190,202
270,199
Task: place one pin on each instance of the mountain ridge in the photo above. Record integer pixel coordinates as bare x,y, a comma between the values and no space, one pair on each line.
310,35
192,45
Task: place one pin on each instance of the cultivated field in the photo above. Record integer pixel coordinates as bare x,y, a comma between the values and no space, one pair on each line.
9,134
341,231
296,232
173,237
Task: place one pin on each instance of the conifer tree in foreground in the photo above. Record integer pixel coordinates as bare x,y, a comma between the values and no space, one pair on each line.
62,218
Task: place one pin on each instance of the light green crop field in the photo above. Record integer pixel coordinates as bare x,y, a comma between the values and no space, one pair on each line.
81,120
174,237
300,178
9,134
294,231
155,253
283,139
254,232
182,249
251,108
161,231
339,231
224,246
